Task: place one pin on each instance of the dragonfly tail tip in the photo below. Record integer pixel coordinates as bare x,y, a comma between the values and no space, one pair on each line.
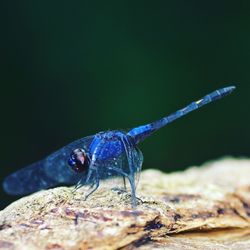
229,89
233,87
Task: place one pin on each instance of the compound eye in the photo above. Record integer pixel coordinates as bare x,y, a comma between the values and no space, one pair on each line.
78,160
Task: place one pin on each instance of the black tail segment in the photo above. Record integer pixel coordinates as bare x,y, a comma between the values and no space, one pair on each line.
141,132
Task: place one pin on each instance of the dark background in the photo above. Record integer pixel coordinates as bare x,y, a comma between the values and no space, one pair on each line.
72,68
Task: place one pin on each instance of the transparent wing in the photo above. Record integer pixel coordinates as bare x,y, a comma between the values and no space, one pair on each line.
127,163
114,156
49,172
138,160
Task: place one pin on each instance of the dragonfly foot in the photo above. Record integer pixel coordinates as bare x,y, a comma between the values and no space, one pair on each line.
119,190
76,187
94,187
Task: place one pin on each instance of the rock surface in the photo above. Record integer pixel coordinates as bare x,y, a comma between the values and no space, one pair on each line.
200,208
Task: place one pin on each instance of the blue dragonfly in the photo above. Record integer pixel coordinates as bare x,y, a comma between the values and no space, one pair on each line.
93,158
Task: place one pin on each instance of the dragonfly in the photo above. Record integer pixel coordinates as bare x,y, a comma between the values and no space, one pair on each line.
89,160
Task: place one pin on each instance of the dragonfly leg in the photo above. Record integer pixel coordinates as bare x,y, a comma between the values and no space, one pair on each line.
124,183
94,186
93,176
78,185
124,176
133,194
93,190
130,177
121,189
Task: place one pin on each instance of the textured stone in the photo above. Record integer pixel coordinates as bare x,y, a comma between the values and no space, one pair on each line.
200,208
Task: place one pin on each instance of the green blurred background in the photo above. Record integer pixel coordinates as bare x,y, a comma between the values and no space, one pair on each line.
72,68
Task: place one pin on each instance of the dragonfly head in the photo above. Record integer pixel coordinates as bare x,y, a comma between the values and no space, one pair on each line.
78,160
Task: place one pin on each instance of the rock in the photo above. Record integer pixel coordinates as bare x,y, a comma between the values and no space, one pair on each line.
204,207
